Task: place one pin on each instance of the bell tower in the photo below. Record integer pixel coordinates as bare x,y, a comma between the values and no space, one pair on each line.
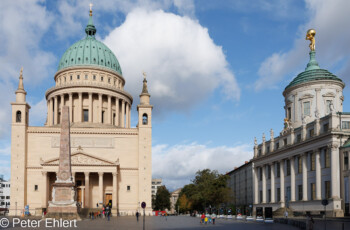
20,112
145,147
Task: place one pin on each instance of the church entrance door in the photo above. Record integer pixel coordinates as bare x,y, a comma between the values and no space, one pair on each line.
79,198
108,199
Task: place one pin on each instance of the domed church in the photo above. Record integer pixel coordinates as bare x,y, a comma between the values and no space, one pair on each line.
111,162
307,164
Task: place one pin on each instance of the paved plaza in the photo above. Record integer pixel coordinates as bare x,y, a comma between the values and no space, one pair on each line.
184,222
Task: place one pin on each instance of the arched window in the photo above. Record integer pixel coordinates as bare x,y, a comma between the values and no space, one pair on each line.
144,119
18,116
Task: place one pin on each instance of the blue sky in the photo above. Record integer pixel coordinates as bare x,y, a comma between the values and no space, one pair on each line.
216,69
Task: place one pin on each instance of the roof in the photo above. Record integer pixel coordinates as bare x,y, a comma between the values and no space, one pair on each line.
313,73
91,52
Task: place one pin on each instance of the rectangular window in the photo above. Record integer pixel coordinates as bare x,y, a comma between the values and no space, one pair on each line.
86,77
259,153
300,192
94,77
101,78
288,167
327,189
346,161
306,106
325,127
86,115
103,116
65,79
327,159
260,196
35,187
109,80
328,106
300,168
71,77
278,169
298,137
284,141
78,77
345,124
269,172
277,145
278,194
268,149
313,161
269,195
289,113
128,188
311,132
313,191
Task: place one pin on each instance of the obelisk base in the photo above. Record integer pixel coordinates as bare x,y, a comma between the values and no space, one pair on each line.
63,204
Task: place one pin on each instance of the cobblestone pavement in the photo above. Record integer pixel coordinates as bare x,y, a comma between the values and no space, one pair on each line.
172,222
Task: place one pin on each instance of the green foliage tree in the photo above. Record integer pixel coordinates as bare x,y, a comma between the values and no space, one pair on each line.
162,200
207,188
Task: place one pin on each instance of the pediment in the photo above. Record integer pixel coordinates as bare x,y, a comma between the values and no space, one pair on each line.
306,96
81,158
329,94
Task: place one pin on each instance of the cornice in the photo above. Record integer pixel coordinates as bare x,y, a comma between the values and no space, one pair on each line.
57,130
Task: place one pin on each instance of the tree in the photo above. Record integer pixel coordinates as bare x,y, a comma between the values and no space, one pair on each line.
162,200
183,203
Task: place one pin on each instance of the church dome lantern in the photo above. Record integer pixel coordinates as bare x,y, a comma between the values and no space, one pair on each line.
314,93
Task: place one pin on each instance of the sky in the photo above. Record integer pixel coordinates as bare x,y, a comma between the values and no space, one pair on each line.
216,69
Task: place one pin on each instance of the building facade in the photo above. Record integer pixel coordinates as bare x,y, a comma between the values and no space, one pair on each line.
174,196
308,161
111,162
241,183
4,193
155,184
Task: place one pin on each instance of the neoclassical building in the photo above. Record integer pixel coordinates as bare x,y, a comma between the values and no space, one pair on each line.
309,160
111,162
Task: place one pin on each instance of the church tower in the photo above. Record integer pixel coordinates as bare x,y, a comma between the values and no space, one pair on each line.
20,112
145,147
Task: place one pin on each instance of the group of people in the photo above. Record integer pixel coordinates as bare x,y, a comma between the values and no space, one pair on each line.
104,213
205,219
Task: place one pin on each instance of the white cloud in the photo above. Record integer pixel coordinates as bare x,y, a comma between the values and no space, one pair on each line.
38,113
177,164
329,18
183,63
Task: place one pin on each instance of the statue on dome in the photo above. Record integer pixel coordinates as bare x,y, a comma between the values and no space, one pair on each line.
310,35
287,126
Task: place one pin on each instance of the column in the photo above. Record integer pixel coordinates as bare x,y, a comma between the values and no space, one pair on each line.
71,107
116,111
62,102
44,189
273,199
123,114
129,123
48,112
90,107
255,187
318,100
51,112
263,183
100,186
80,108
82,197
282,182
127,115
292,179
55,111
87,190
100,107
109,115
115,190
318,174
305,177
335,173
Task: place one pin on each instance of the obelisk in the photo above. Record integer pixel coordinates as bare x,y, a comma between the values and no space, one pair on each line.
63,202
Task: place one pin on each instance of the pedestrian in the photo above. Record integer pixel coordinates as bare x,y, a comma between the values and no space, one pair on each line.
96,205
166,216
286,214
137,216
202,218
206,220
309,222
109,214
213,216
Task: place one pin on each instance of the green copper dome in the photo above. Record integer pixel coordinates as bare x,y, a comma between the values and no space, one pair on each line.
313,73
90,52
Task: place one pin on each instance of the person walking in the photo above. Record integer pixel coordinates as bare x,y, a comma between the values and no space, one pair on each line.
309,222
202,218
137,216
286,214
213,216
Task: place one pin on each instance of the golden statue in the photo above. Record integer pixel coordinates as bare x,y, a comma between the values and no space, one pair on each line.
310,35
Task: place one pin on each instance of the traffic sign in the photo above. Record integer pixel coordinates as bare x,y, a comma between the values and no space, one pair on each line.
324,202
143,204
